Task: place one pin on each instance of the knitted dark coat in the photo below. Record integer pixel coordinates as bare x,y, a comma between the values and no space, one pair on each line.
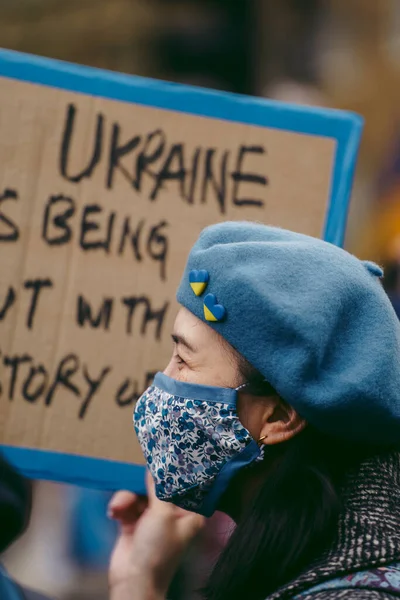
368,534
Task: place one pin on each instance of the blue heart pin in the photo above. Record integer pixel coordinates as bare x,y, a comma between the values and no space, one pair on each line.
212,310
198,281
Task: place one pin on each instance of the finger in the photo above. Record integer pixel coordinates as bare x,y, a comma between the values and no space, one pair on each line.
122,500
126,506
131,514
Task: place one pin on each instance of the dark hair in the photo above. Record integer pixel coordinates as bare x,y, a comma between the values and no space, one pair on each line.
293,515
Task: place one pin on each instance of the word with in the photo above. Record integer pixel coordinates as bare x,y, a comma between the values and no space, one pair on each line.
31,381
85,314
162,162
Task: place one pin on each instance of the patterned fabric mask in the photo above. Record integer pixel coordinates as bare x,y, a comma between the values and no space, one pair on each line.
193,441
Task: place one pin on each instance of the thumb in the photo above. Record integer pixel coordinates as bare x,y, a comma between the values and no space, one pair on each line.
126,507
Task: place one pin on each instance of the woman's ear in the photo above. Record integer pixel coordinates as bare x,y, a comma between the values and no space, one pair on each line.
269,419
280,422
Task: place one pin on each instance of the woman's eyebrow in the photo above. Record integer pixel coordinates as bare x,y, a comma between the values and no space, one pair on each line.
180,340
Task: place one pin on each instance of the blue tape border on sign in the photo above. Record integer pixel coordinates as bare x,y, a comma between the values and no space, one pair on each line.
344,127
78,470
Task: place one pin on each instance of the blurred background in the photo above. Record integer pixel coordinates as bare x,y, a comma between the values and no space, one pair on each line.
337,53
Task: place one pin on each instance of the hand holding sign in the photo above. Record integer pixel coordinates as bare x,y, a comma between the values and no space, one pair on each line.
153,537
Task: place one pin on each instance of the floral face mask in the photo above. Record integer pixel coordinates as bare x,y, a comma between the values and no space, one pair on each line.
193,441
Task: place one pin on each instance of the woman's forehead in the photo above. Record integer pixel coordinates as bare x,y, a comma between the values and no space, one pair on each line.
194,330
186,323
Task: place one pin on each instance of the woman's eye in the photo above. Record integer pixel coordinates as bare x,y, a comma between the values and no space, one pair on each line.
179,360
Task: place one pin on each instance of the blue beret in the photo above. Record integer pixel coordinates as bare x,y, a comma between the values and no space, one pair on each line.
312,318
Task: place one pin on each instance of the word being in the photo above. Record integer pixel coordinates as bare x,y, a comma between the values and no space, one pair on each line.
31,381
34,287
85,314
106,231
96,229
155,158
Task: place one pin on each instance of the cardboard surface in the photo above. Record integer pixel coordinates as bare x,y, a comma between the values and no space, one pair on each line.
100,202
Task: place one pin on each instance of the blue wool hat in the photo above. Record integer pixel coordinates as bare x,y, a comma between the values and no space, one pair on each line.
312,318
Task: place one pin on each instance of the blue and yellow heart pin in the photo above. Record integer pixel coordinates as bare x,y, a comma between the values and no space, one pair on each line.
198,281
212,310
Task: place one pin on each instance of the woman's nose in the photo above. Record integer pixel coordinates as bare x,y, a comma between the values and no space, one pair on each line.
169,369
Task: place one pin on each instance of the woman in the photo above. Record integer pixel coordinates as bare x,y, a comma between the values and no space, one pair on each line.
281,407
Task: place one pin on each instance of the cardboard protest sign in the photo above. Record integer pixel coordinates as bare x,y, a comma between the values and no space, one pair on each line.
106,181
